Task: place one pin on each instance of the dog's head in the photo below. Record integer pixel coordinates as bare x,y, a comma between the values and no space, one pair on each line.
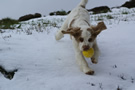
85,36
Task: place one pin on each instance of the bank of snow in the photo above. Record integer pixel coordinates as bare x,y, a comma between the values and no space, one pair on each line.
46,64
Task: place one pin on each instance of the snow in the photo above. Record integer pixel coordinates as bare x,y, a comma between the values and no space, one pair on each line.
46,64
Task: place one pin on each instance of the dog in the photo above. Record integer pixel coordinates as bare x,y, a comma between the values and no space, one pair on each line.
83,35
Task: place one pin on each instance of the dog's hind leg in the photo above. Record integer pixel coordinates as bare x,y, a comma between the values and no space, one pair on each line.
59,33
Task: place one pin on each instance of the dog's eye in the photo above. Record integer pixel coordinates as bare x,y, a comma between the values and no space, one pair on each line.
81,39
90,39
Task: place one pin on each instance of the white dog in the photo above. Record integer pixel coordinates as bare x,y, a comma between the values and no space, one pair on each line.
83,35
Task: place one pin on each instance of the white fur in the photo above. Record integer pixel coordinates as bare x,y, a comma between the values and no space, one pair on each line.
81,17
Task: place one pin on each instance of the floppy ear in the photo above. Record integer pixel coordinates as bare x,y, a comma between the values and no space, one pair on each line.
100,27
71,31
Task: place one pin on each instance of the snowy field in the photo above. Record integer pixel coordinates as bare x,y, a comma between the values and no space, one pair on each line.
46,64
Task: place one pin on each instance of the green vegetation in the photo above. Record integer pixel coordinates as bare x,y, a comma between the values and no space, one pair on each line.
109,17
8,23
62,12
125,12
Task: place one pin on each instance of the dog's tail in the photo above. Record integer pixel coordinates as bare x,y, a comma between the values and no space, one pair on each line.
83,3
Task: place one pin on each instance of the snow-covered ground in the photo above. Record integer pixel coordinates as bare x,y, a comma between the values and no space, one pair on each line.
46,64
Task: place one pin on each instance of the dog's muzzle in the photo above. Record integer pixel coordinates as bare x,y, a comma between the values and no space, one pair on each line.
86,47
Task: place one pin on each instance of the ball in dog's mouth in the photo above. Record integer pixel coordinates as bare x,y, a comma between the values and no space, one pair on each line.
88,53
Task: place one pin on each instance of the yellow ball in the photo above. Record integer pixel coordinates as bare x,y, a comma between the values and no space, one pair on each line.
89,53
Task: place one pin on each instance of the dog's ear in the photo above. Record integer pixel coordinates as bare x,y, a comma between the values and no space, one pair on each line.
100,27
72,31
68,31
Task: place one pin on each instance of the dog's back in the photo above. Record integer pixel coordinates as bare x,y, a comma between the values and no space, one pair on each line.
79,13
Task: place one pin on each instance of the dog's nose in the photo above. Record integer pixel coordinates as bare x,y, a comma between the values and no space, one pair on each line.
86,47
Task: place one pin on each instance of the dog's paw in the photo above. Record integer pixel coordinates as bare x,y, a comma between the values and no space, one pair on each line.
59,35
94,61
87,70
91,72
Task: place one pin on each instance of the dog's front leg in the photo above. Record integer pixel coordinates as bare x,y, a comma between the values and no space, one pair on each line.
82,63
64,27
94,59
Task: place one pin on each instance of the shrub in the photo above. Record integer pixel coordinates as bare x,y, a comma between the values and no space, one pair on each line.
52,13
101,9
29,16
129,4
62,12
7,23
26,17
37,15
